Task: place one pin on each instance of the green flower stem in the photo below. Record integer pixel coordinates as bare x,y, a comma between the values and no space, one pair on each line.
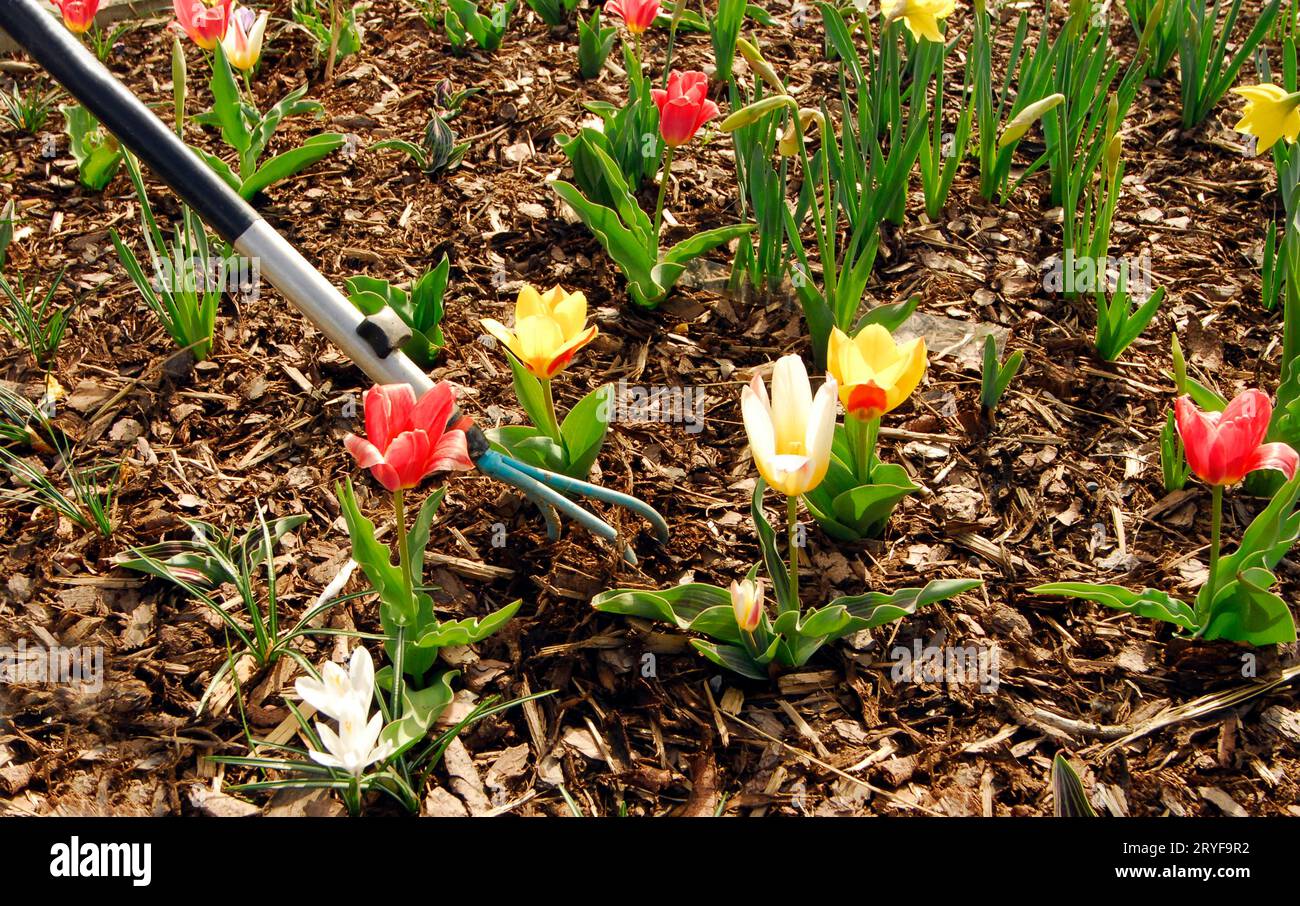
792,526
552,426
863,433
678,7
404,561
1216,525
663,186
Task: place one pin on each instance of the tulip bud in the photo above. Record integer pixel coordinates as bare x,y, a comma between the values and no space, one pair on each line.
1020,123
748,116
179,79
747,603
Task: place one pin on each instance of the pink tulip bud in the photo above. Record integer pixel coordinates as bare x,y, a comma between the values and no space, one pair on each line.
78,15
1223,447
206,25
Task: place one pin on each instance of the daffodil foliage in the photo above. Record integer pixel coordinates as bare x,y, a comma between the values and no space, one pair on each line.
788,639
1237,602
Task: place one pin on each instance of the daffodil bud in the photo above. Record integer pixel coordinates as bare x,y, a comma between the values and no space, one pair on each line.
751,114
1113,151
757,62
1020,123
788,146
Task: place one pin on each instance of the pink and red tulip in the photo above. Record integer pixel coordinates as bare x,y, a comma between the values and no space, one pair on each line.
406,441
684,107
1222,447
206,25
637,15
78,15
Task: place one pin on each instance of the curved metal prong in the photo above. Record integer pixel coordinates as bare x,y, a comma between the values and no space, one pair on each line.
516,474
565,484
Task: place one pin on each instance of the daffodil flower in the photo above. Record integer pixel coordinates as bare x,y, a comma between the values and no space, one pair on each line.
921,17
1270,114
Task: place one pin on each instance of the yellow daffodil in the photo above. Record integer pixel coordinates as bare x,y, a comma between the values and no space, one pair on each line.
549,329
920,16
1270,114
1018,125
790,436
747,603
874,373
788,146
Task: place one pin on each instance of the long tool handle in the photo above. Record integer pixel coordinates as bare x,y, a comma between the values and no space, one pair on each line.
372,343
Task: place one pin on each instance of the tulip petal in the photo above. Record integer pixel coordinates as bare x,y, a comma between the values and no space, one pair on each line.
1279,456
366,454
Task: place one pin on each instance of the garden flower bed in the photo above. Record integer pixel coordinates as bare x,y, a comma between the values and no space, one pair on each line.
308,594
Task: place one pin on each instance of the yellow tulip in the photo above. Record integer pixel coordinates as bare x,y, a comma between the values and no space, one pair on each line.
790,436
1018,125
549,329
747,603
874,373
1270,114
920,16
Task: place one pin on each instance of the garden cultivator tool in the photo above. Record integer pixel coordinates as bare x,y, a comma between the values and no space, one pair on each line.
372,342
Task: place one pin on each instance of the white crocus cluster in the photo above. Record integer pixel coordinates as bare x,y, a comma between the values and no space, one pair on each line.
346,697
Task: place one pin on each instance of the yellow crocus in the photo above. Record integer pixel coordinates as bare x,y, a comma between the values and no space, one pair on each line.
874,373
1270,114
549,329
920,16
790,435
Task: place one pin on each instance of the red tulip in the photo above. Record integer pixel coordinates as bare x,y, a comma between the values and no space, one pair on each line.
1222,447
78,15
637,15
684,107
206,25
407,441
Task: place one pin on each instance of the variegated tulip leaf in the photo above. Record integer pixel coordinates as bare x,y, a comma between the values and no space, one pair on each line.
1149,602
877,608
678,606
731,658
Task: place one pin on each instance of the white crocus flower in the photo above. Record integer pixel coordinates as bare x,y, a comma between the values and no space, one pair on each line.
355,746
338,693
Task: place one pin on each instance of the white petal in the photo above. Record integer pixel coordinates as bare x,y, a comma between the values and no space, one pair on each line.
791,400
